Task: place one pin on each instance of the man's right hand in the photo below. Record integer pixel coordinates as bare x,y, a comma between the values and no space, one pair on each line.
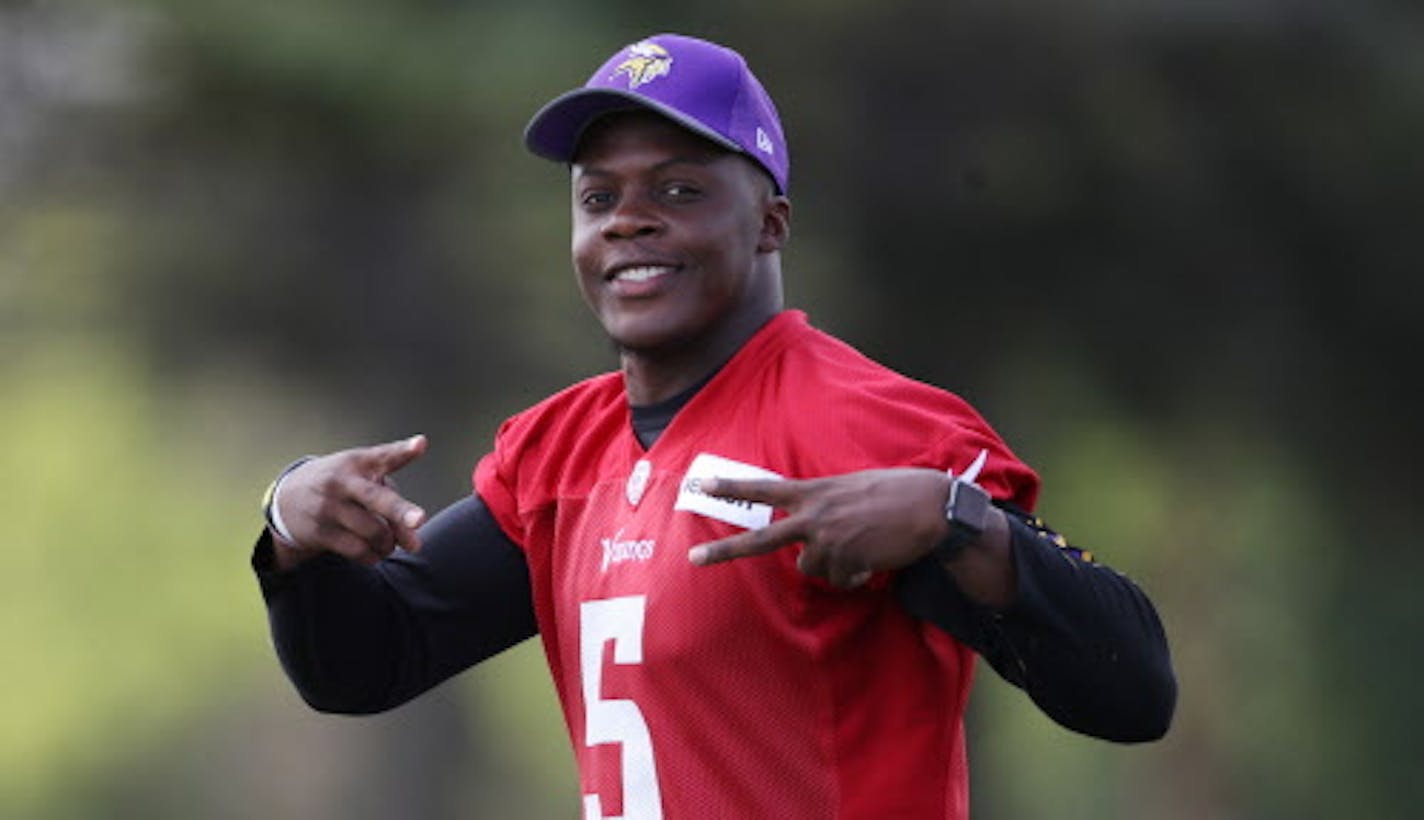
343,503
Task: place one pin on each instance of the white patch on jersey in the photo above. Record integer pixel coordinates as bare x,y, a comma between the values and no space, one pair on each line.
746,514
617,549
638,481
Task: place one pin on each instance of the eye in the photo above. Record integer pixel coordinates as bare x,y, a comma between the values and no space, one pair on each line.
595,198
681,191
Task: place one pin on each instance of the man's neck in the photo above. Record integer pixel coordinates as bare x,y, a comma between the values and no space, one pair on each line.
653,376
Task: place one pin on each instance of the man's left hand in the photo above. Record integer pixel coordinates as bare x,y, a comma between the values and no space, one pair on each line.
851,525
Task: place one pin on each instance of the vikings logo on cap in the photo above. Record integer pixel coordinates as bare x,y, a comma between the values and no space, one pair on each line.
646,62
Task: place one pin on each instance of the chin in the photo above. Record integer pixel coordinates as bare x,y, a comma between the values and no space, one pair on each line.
642,336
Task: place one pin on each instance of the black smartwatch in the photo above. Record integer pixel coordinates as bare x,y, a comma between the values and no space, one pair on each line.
967,512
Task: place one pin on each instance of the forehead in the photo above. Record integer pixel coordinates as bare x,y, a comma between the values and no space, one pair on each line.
639,134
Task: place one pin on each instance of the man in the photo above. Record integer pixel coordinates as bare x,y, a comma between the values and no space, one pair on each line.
758,584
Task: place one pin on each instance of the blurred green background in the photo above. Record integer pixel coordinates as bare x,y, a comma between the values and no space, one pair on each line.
1170,248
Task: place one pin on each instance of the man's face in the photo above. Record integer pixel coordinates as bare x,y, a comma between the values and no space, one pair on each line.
668,229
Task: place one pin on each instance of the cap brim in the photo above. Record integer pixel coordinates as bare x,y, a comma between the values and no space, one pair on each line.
555,131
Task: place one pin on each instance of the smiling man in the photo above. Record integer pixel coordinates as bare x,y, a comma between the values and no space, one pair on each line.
761,564
675,243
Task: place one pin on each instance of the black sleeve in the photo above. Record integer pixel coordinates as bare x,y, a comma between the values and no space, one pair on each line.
359,639
1081,639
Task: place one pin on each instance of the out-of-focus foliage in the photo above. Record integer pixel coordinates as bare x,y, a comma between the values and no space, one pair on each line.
1167,247
1214,524
118,613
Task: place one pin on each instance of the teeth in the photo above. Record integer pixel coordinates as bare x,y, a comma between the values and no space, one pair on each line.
642,274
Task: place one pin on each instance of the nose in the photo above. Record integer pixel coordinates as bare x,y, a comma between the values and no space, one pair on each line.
633,217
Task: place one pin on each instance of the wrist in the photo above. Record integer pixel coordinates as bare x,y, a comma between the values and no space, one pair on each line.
270,556
967,513
271,511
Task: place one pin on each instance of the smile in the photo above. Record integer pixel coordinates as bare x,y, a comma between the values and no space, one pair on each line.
641,273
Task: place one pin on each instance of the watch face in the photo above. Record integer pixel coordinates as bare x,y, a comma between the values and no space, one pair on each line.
968,506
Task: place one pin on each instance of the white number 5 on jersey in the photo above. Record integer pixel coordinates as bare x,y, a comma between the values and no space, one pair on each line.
617,721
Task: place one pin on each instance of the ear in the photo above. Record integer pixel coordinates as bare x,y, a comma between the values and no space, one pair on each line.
775,224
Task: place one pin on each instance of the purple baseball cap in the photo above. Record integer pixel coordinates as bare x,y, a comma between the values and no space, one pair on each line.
706,88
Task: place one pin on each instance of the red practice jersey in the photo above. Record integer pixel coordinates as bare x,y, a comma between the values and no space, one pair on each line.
745,689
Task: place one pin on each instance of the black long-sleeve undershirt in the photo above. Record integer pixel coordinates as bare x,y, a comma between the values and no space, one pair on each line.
1081,639
358,639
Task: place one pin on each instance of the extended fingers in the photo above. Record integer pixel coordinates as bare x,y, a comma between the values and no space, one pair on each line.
756,542
387,458
776,492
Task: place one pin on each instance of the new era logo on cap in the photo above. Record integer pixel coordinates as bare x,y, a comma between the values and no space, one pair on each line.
764,142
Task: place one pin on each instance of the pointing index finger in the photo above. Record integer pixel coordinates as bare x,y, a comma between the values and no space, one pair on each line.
384,459
776,492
